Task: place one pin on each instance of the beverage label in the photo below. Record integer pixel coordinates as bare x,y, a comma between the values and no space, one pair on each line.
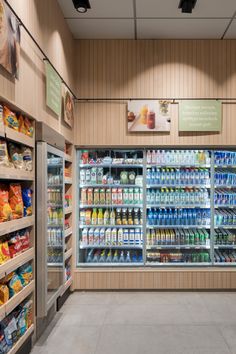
96,237
131,195
99,175
85,236
131,236
91,236
119,196
102,196
82,217
126,196
108,236
90,196
114,196
102,236
88,217
136,195
114,237
120,237
88,176
137,236
126,236
108,196
96,199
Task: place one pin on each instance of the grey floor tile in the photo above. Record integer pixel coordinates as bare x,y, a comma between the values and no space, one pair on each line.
90,298
229,334
86,315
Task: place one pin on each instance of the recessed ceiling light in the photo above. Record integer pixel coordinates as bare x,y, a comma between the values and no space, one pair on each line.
187,6
81,5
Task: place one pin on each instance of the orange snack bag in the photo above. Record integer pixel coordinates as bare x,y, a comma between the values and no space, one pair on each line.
25,126
5,209
10,118
4,252
16,202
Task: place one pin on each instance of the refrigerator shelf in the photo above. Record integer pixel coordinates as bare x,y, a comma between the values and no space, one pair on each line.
112,226
225,227
151,186
174,206
83,206
55,185
225,166
55,225
225,186
177,166
225,264
112,165
187,247
199,264
94,185
225,247
120,247
106,265
178,227
225,206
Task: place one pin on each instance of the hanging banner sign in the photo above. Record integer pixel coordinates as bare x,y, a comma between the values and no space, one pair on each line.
200,116
53,89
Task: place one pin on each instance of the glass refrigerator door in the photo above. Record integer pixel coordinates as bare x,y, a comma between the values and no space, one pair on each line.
55,221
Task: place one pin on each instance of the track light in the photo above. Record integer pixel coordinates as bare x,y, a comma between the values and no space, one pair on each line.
81,5
187,6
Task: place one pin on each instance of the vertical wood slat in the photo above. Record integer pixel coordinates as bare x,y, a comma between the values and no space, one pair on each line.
163,68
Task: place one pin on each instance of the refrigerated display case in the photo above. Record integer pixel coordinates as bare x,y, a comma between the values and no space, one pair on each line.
110,207
187,203
50,226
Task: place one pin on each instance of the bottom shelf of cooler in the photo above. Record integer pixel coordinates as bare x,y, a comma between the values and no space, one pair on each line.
224,255
95,265
22,340
111,255
201,264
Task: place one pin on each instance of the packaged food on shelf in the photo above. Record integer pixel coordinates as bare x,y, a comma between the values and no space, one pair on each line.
22,124
4,157
5,209
10,118
27,200
26,126
4,296
16,201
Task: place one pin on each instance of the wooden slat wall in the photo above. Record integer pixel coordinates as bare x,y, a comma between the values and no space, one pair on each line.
45,21
154,279
152,68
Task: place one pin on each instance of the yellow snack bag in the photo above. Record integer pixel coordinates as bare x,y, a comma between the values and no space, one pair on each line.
4,294
4,253
5,209
10,118
16,202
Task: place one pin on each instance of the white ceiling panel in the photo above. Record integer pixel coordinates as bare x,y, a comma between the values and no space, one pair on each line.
102,29
100,8
181,29
231,33
169,8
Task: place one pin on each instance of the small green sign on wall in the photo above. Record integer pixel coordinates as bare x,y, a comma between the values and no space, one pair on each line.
200,116
53,89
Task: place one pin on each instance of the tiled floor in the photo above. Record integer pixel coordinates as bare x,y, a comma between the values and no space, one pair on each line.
143,323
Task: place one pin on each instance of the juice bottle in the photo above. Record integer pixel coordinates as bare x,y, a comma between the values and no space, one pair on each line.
130,216
102,196
102,236
114,196
108,237
136,216
96,199
100,217
94,217
55,217
114,237
119,196
106,217
118,217
120,237
96,236
113,217
91,236
124,217
108,196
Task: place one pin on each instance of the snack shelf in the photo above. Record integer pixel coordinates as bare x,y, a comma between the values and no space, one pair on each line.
178,227
94,185
112,165
83,206
216,247
16,262
67,284
11,304
68,180
151,186
18,137
67,158
112,226
68,210
16,174
170,247
14,225
174,206
21,340
168,165
68,232
68,254
112,247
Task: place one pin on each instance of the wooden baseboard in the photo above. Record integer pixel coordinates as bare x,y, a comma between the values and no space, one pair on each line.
151,279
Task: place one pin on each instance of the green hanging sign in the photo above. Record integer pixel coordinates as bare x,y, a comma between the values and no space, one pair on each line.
200,116
53,89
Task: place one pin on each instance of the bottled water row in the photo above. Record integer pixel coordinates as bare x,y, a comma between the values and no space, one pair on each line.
225,158
225,197
178,176
179,157
225,178
178,196
178,217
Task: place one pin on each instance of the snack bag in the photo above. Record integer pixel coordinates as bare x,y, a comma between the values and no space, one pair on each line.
1,123
4,294
4,252
26,126
27,158
15,285
3,344
21,322
24,239
15,246
10,118
27,200
4,158
25,273
28,306
16,202
5,209
16,156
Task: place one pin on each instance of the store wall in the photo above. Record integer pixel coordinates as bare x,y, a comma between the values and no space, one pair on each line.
45,21
152,69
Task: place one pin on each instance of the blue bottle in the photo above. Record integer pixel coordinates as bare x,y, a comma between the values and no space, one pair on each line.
165,217
155,216
158,176
189,217
153,176
185,217
149,176
150,217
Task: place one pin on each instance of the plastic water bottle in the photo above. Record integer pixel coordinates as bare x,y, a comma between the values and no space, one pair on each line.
149,176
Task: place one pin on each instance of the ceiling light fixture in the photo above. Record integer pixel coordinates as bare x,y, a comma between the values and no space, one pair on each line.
187,6
81,5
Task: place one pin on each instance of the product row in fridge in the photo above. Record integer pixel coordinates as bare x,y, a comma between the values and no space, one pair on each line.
111,157
178,257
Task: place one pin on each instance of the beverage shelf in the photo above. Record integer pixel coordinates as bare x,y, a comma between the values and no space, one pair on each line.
174,206
176,264
151,186
225,264
22,340
68,210
102,265
14,225
83,206
18,137
112,247
112,226
12,303
225,186
225,227
16,174
68,254
192,247
179,227
225,206
168,165
94,185
225,247
225,166
112,165
16,262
